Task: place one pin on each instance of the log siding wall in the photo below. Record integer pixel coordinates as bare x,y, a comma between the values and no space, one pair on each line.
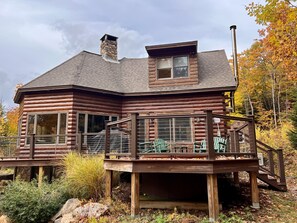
46,103
71,103
188,103
76,102
190,80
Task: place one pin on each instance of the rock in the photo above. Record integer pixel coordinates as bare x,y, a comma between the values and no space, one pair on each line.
90,210
4,219
68,207
68,218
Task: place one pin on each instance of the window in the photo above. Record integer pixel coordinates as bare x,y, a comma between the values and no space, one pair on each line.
172,67
174,129
47,128
92,123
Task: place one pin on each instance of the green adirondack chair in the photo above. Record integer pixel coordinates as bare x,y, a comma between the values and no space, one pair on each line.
220,145
160,146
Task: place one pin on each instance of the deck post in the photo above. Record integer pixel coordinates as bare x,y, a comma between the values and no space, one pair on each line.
252,135
232,140
108,185
79,142
32,146
254,190
209,135
134,194
271,161
236,178
134,129
236,139
281,166
213,198
107,141
15,172
40,176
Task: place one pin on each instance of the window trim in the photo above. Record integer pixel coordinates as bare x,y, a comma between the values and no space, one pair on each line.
172,67
58,127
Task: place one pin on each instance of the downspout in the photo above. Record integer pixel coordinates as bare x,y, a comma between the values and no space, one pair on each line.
235,65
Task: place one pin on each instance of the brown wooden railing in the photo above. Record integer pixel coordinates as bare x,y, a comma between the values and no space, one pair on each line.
144,131
273,161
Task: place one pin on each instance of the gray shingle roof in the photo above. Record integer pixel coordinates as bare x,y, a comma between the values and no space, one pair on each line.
130,75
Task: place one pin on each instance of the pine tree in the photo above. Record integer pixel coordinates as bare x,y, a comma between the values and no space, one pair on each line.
293,133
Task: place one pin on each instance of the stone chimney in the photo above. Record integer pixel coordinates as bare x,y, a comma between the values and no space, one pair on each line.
108,48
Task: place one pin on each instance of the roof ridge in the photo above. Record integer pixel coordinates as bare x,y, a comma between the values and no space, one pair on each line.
51,69
79,68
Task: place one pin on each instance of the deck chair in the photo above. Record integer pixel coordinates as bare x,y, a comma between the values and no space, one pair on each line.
200,147
220,145
160,146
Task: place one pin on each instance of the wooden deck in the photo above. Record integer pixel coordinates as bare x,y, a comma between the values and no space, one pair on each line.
125,149
198,166
182,157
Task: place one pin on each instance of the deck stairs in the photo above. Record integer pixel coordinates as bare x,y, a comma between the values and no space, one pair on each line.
271,165
271,181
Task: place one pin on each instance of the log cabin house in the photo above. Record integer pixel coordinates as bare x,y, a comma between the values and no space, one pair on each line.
150,117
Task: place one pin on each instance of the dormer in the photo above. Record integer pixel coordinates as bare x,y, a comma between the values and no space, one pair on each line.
172,64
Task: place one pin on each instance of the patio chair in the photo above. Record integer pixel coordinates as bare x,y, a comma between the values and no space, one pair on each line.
160,146
220,145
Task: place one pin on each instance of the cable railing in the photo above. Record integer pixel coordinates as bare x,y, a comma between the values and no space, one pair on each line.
198,135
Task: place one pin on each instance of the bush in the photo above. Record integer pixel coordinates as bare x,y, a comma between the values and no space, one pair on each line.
84,175
24,202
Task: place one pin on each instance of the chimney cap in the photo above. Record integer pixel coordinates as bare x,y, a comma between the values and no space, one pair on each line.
108,37
233,27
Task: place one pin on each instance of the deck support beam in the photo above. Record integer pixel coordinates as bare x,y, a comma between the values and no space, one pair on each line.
40,176
108,185
135,204
213,198
236,178
254,190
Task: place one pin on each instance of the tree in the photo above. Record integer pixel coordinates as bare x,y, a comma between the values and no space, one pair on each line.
12,116
3,126
293,133
279,18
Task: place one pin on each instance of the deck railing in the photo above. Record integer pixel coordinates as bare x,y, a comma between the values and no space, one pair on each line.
204,135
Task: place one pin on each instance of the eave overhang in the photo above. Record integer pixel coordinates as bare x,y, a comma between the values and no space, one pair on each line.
21,91
172,49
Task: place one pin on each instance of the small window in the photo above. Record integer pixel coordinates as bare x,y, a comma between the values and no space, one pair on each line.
164,68
172,67
180,67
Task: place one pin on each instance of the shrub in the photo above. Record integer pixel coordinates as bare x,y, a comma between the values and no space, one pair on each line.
24,202
84,175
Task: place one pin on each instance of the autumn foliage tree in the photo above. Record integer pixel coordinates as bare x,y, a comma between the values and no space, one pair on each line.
8,121
268,70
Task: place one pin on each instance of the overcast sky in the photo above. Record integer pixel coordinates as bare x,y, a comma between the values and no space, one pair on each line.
37,35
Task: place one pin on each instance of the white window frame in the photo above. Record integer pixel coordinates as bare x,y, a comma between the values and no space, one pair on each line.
58,127
172,67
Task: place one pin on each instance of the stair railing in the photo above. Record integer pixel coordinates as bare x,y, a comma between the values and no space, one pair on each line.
275,158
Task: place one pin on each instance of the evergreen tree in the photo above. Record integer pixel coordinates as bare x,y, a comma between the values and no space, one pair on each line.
293,133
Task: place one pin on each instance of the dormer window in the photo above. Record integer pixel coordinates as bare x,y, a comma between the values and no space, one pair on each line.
172,67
